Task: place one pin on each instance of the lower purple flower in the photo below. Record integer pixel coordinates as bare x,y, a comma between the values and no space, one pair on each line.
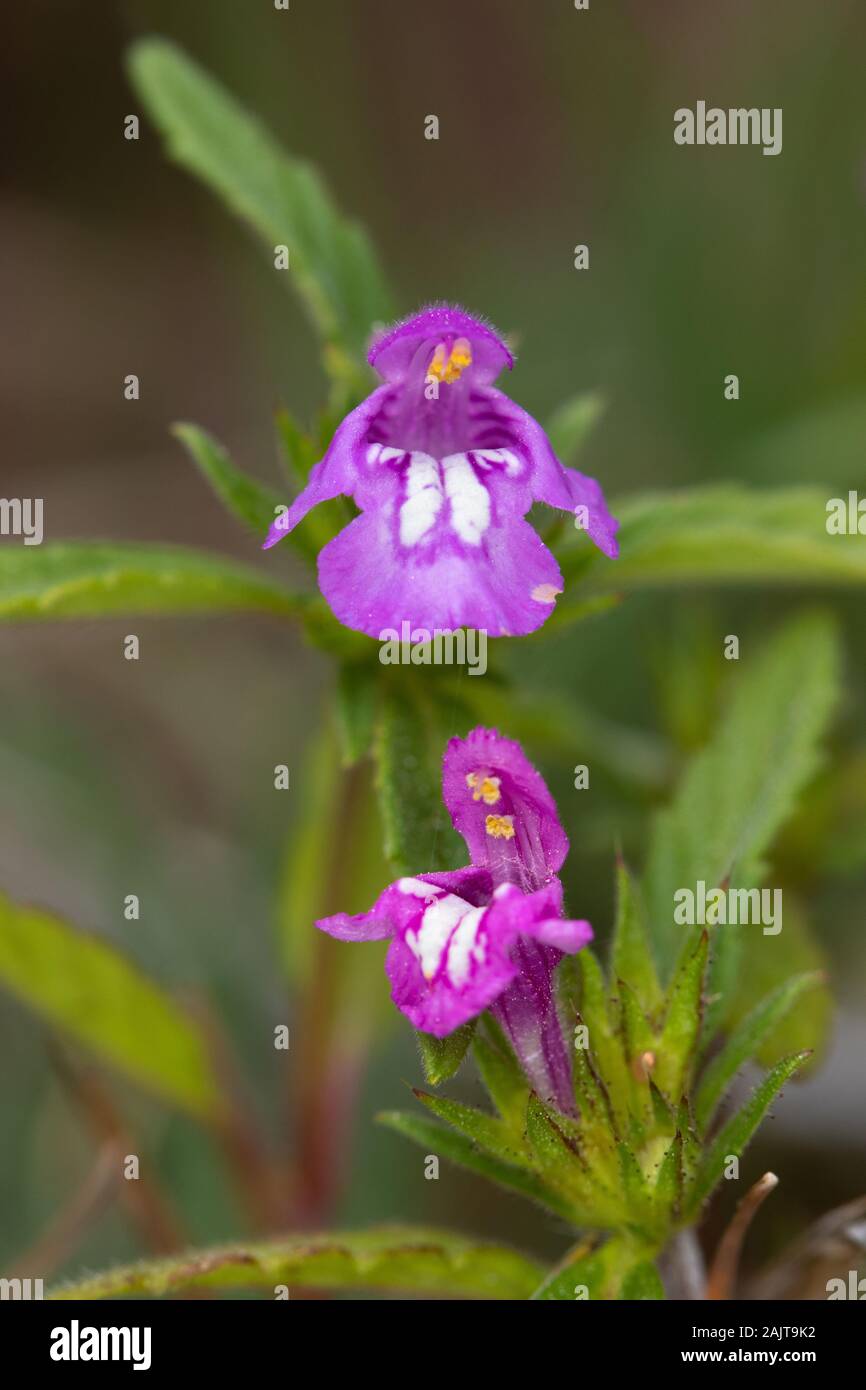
488,936
444,468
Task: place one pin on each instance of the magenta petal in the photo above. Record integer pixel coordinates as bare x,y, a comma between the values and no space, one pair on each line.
452,960
395,908
473,884
501,806
440,1008
506,587
337,472
565,934
527,1011
556,485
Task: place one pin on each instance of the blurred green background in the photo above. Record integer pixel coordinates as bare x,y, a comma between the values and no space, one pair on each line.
155,777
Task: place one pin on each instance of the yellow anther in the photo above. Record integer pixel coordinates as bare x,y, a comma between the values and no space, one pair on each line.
500,827
448,366
484,788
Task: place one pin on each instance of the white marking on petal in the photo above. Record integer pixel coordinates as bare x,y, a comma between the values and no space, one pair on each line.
506,456
432,938
423,498
416,888
388,454
373,452
469,498
465,946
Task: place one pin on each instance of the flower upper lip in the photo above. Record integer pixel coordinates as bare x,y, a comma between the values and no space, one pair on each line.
395,349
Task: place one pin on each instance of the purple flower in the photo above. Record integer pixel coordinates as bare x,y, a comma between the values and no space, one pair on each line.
443,468
491,935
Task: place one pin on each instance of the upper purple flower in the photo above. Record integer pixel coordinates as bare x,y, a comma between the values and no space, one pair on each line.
491,935
443,468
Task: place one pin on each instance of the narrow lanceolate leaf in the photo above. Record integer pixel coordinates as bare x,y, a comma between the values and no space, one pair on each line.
408,1259
298,450
745,1042
718,535
251,502
741,788
417,832
569,426
668,1192
605,1046
692,1151
94,995
435,1139
736,1134
580,1278
560,1150
95,579
637,1031
682,1025
283,199
619,1269
501,1074
634,1187
631,957
552,1137
486,1131
597,1117
442,1056
356,711
642,1284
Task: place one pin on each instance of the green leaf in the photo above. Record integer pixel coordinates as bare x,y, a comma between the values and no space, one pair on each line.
605,1046
308,859
552,1137
631,957
586,1272
407,1259
633,1184
597,1118
716,535
418,834
284,200
442,1056
569,426
94,579
740,789
298,449
501,1074
485,1130
682,1025
668,1191
87,989
619,1269
642,1284
356,711
746,1041
553,719
767,959
436,1139
253,503
733,1138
